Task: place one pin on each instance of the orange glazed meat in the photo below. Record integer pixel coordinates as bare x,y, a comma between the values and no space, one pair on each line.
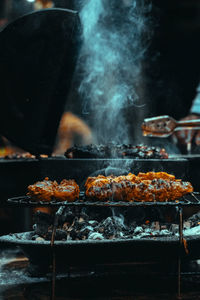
47,190
149,187
67,190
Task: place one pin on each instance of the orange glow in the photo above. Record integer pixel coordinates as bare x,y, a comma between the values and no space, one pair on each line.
41,4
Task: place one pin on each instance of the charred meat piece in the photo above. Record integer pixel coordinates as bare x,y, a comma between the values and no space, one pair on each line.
47,190
25,155
115,150
156,175
42,190
148,187
88,151
99,187
67,190
144,152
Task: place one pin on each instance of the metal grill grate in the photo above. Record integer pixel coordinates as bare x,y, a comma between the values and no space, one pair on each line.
192,199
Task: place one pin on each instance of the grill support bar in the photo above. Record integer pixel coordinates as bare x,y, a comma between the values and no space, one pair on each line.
55,225
191,199
180,210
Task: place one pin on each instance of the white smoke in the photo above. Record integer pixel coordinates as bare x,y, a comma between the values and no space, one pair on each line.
111,58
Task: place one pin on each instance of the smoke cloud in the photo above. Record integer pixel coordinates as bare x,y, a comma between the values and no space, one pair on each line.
111,56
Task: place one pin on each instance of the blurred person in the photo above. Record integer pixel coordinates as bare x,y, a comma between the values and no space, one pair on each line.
187,136
72,130
43,4
4,9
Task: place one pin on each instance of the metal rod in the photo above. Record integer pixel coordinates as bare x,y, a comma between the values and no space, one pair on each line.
189,147
53,287
179,254
179,279
186,200
57,215
26,219
53,282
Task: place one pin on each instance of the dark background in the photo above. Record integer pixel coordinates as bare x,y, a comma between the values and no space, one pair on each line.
171,65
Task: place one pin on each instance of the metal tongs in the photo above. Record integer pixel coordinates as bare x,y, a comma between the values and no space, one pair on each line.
164,126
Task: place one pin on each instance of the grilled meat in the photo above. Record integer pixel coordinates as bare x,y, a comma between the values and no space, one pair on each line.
149,186
67,190
47,190
156,175
113,150
16,155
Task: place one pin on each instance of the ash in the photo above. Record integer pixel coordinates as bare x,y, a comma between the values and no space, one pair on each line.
13,276
89,225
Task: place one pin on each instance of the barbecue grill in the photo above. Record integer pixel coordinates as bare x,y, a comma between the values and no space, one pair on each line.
107,251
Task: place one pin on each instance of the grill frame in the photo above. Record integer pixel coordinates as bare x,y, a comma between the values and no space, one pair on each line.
59,168
83,202
104,251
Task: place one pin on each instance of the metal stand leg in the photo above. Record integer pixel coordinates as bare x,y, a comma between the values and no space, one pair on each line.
57,215
53,261
179,257
69,273
53,275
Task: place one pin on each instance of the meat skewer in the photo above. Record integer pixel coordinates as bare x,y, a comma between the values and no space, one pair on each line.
47,190
148,187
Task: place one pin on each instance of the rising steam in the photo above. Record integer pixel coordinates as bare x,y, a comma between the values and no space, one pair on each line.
111,58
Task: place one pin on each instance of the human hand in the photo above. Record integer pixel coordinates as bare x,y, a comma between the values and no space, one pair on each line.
185,137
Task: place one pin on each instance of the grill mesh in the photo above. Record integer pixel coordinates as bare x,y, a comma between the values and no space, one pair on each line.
192,199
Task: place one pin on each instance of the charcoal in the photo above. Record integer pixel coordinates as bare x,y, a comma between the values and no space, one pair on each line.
79,235
187,224
87,229
80,225
165,232
69,237
144,235
195,219
155,225
43,221
68,216
73,234
34,237
40,239
93,223
101,229
84,216
81,220
148,230
41,217
48,235
138,230
95,236
66,226
174,228
155,233
61,234
112,226
163,227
